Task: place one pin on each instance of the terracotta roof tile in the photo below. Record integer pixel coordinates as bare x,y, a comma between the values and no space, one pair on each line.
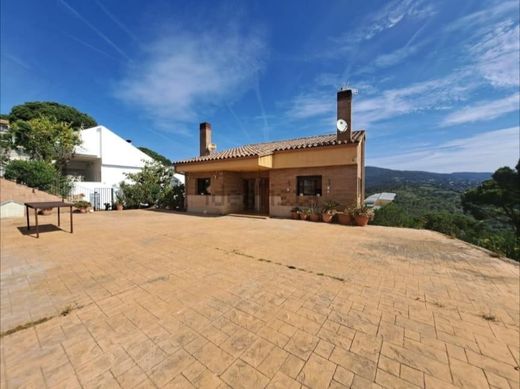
261,149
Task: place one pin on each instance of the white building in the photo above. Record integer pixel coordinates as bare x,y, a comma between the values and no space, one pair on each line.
100,163
377,200
103,158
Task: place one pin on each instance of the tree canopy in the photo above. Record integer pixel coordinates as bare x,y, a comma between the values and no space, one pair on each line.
156,156
60,112
152,186
45,139
498,197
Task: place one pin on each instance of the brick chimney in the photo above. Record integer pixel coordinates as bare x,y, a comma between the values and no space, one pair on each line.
345,113
205,139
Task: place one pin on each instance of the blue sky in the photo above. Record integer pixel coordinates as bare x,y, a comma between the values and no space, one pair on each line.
438,81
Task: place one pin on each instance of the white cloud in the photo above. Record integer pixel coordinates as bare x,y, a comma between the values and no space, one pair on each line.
186,72
395,57
395,12
496,54
437,94
482,152
96,30
388,17
484,111
311,105
490,43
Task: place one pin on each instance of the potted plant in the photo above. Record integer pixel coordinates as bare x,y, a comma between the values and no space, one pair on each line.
329,210
315,213
295,213
119,201
362,215
45,211
82,205
304,213
345,217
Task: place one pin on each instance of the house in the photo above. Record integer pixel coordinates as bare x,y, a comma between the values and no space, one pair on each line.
4,125
101,162
271,178
377,200
8,154
103,158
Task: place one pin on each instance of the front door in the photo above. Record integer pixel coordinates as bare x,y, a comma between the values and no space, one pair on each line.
263,189
249,194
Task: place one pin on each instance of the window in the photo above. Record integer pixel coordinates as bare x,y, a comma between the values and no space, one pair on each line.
203,186
309,185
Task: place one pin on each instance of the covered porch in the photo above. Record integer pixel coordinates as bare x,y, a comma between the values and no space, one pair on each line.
84,168
224,192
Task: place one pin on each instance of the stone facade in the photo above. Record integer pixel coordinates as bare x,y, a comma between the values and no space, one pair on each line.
339,183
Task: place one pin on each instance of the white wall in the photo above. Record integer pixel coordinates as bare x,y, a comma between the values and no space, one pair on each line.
117,155
90,142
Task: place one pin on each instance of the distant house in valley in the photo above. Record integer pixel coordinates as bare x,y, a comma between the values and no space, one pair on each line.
377,200
271,178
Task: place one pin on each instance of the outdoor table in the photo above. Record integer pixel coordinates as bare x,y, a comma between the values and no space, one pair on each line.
45,205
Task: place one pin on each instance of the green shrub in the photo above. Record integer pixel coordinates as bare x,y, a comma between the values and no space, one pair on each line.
504,243
453,224
172,198
152,186
40,175
82,204
395,216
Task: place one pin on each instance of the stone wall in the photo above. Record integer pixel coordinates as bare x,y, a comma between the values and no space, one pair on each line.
10,191
225,193
339,183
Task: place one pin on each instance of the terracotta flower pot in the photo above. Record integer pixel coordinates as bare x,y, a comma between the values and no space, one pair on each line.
304,216
295,215
361,220
345,219
119,207
315,217
46,211
328,217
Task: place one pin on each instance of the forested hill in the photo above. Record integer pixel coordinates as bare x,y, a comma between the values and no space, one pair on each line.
380,179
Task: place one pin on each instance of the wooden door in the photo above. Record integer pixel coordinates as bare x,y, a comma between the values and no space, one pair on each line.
264,195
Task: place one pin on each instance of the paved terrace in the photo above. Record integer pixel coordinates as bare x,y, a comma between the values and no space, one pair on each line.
152,299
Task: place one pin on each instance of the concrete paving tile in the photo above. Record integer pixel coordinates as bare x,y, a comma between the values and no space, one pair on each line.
367,346
292,366
343,376
273,362
170,367
387,380
355,363
151,296
257,352
302,344
317,372
282,381
214,358
242,375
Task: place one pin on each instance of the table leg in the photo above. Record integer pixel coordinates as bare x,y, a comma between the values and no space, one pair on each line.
27,214
36,217
59,216
71,224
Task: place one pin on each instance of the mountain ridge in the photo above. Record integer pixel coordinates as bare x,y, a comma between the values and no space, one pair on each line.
386,179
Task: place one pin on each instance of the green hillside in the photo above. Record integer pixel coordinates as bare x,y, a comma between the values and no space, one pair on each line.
433,201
